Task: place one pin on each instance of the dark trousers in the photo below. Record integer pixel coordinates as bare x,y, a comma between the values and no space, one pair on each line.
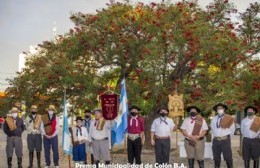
162,150
79,152
48,144
34,141
222,146
251,149
134,149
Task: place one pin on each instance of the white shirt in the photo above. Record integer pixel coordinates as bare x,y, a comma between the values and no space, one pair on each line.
160,128
80,135
100,134
245,128
188,125
220,132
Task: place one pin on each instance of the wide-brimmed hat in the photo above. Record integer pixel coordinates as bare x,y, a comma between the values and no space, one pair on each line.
51,107
34,107
134,107
87,111
250,107
162,108
220,104
193,107
14,109
97,110
79,118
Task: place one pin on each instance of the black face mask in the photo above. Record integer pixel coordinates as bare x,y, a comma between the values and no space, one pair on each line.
163,114
87,116
133,114
33,113
193,114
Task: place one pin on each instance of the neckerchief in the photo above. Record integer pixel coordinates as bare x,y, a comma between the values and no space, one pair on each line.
219,121
163,119
136,121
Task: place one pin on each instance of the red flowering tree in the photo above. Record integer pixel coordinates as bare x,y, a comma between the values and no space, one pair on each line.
156,47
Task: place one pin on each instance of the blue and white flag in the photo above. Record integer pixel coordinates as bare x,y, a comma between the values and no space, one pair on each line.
120,125
65,132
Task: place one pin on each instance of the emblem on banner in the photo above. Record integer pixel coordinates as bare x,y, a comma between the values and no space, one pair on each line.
109,105
176,105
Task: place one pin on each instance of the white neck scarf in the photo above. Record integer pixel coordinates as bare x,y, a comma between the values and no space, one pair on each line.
136,121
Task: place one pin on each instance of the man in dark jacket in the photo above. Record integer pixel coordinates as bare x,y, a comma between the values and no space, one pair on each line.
13,128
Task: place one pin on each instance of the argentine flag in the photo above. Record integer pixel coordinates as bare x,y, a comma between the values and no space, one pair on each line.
65,132
120,124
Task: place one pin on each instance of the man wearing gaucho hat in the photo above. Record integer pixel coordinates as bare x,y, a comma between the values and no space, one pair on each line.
136,137
50,129
13,128
160,135
34,137
100,130
223,127
86,123
250,129
194,129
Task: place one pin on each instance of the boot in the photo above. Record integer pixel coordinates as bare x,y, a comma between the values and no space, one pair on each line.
19,162
30,160
229,164
247,163
38,159
217,163
256,163
107,162
92,158
191,163
97,163
9,162
201,163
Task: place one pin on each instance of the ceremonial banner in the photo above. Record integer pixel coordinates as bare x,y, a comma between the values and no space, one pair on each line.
176,105
109,105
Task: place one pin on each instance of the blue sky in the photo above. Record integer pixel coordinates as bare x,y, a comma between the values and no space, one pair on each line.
29,22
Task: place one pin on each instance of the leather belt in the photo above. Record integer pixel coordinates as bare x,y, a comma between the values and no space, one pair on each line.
100,139
256,138
222,138
199,139
166,137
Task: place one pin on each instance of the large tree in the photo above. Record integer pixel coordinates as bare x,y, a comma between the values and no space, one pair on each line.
156,47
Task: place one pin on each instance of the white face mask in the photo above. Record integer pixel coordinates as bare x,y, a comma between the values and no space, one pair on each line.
220,111
14,115
50,112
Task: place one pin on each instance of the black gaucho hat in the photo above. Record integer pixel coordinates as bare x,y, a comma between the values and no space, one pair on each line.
250,107
79,118
162,108
87,111
220,104
193,107
134,107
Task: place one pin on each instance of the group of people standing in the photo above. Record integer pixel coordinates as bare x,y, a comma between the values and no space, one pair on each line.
91,136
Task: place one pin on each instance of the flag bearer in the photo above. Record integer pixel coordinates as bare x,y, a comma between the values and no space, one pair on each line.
79,138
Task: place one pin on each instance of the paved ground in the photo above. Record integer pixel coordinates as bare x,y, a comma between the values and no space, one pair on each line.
147,157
